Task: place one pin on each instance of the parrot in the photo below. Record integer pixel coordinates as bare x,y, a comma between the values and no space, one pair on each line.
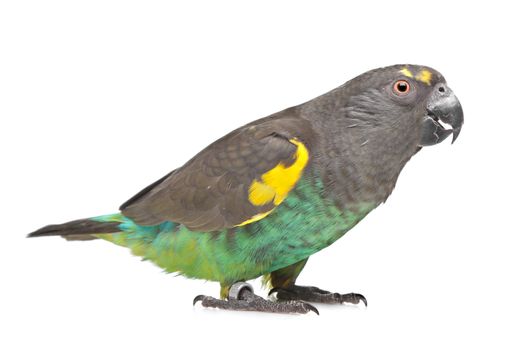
265,197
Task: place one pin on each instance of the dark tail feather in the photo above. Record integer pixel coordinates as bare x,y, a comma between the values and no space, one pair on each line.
78,229
79,237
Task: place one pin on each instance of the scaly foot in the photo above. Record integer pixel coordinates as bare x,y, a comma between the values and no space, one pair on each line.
242,298
316,295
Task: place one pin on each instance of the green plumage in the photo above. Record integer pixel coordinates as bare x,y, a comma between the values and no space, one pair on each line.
303,224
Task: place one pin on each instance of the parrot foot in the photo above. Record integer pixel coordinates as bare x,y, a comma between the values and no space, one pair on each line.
242,298
316,295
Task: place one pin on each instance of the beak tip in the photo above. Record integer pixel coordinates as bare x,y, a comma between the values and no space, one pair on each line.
455,134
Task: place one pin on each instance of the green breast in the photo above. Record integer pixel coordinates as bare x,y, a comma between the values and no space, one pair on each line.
303,224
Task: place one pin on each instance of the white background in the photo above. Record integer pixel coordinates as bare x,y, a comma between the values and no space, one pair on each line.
100,98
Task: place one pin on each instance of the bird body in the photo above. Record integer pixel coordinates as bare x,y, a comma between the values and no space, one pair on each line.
268,195
306,223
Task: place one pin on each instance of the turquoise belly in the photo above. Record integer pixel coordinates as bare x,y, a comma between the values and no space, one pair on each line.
302,225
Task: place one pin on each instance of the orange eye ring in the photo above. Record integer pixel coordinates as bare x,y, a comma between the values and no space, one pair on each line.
401,87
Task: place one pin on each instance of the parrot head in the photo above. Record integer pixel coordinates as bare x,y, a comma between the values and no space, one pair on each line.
414,98
442,112
377,121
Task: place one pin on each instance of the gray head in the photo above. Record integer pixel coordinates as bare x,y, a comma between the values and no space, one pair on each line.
416,98
378,121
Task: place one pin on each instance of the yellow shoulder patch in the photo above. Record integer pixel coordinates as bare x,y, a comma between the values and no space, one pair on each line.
255,218
277,182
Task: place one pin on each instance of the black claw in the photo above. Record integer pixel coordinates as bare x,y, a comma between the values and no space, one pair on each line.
354,298
198,298
281,290
274,290
310,307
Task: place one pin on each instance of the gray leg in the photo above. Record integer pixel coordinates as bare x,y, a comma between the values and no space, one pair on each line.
316,295
242,298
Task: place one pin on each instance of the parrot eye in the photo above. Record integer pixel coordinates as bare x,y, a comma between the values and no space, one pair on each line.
401,87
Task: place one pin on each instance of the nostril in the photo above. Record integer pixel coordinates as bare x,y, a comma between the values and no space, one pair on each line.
441,89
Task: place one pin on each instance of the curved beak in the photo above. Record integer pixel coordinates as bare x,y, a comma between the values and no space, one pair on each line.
444,116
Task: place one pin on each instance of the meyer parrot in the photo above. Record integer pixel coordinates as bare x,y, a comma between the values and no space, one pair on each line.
262,199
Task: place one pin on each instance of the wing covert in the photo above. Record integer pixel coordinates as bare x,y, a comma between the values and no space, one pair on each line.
239,179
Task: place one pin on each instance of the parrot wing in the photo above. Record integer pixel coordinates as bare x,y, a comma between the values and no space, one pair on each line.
236,180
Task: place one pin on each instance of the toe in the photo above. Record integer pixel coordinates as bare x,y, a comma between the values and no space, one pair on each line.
354,298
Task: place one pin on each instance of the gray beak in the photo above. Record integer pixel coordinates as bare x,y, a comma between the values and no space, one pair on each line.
444,116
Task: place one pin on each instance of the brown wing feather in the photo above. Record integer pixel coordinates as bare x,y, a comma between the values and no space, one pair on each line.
210,192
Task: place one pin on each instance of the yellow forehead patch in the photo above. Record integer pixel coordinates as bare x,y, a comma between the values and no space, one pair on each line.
278,181
424,76
406,72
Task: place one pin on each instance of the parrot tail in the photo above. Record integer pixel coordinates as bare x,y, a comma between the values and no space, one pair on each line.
78,230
